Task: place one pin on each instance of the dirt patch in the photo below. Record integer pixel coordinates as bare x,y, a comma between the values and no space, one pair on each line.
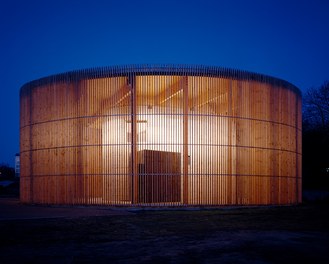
232,235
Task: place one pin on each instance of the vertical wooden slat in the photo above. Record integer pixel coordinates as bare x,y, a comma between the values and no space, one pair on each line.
185,141
134,138
238,136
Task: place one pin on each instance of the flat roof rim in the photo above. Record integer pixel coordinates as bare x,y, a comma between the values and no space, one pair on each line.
158,69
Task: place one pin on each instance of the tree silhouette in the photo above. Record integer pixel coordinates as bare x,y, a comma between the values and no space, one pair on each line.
316,108
316,138
6,172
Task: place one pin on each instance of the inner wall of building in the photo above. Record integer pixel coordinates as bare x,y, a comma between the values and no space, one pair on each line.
161,140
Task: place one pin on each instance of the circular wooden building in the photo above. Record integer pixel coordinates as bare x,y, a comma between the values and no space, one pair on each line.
160,135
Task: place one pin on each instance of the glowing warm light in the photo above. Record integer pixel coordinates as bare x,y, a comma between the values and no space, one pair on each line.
158,136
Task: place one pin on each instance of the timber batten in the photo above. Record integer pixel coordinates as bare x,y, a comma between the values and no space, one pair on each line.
160,135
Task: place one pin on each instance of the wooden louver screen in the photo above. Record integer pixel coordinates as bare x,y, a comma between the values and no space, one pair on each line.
160,135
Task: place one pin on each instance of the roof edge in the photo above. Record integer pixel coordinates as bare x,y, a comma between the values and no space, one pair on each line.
158,69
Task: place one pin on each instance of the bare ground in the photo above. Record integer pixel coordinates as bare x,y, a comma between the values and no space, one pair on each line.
288,234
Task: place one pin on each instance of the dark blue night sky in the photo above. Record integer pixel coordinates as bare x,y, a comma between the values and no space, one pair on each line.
283,38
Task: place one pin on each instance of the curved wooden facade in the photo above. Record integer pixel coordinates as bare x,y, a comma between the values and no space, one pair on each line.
160,135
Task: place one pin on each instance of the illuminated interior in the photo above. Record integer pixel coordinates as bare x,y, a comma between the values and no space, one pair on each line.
149,136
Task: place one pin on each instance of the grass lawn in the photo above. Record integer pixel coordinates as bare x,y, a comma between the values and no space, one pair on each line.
288,234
